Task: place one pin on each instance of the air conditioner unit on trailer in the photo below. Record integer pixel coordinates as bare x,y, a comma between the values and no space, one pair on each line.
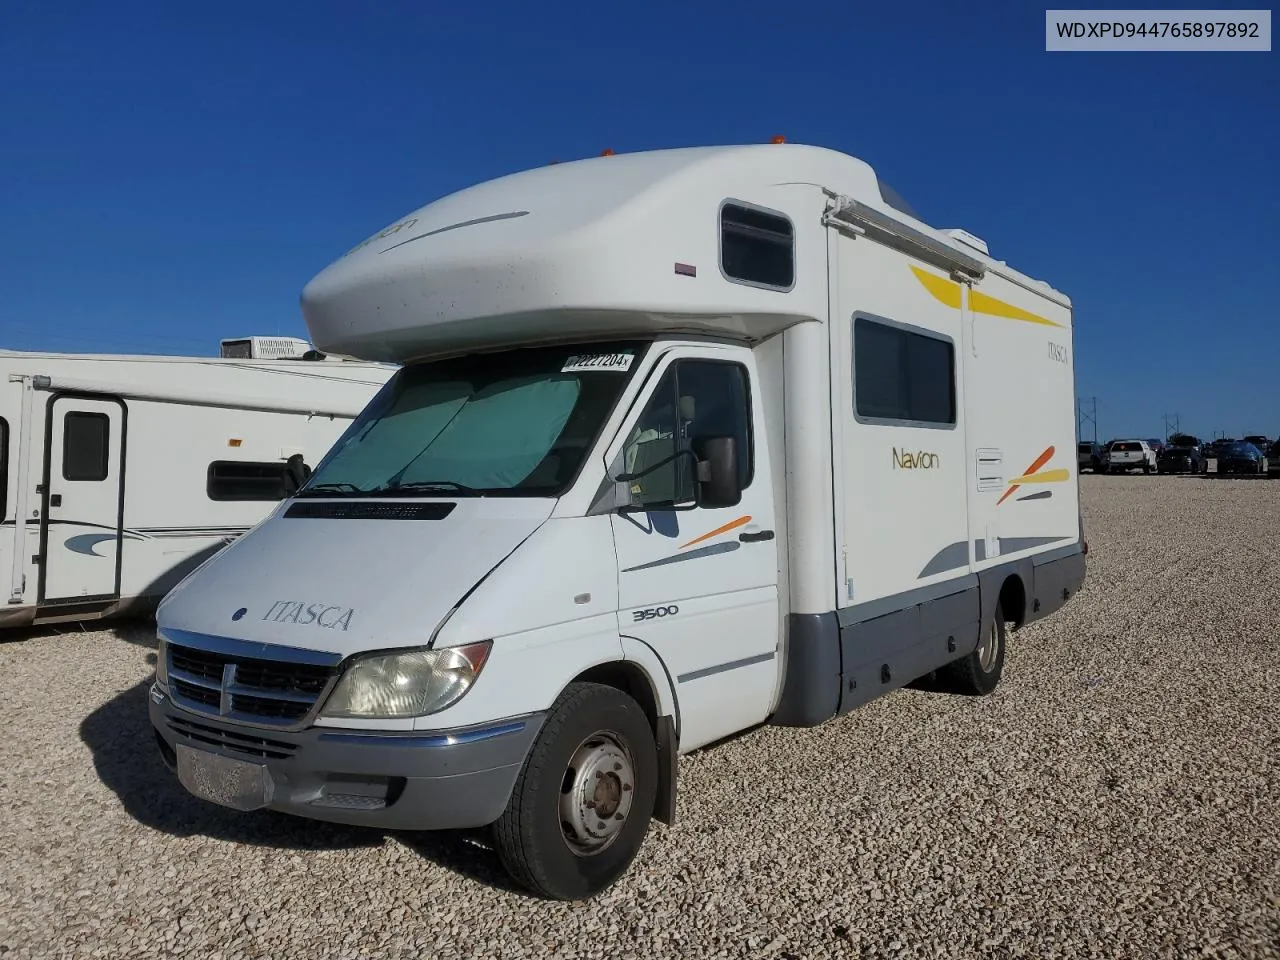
265,348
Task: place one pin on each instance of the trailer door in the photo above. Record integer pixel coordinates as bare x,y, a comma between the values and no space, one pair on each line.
82,519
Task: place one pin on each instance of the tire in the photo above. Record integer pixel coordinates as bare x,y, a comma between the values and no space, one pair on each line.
544,839
978,674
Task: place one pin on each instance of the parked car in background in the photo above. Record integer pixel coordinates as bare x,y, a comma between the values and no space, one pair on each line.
1239,458
1156,444
1186,440
1126,455
1273,460
1090,455
1262,443
1180,460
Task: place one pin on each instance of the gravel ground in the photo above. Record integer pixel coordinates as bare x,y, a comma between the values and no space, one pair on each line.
1118,796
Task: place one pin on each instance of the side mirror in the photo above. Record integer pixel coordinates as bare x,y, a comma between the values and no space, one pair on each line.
297,473
718,473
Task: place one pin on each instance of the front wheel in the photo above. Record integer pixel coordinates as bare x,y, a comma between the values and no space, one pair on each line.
979,673
581,806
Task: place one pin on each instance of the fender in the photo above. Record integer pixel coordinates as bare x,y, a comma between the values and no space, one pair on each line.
668,733
646,658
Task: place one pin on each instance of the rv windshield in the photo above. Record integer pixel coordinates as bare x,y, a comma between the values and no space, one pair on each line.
517,423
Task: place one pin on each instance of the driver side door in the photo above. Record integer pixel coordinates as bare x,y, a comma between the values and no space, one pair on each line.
699,585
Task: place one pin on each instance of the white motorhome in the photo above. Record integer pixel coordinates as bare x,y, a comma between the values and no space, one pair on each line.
685,442
120,474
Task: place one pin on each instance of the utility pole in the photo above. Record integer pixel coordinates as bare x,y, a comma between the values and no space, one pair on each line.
1087,413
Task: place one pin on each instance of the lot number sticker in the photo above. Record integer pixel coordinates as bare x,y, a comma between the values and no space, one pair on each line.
611,362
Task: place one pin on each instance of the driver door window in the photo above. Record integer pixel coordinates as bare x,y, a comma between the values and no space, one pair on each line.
695,401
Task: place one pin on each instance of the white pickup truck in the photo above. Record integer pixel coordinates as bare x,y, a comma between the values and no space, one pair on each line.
1125,455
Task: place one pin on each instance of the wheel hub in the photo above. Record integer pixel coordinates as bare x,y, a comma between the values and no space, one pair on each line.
987,649
597,794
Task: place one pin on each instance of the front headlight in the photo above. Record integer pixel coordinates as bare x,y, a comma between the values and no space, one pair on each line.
162,663
408,684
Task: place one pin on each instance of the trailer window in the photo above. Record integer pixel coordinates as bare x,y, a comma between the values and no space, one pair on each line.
85,445
4,469
247,480
901,376
696,400
757,247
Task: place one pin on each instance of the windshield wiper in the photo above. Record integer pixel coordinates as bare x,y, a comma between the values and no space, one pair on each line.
320,489
422,486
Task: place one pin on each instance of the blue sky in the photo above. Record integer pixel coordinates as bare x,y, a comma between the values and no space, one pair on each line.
174,173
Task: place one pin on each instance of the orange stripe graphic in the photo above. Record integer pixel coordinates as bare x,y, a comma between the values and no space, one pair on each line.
731,525
1039,462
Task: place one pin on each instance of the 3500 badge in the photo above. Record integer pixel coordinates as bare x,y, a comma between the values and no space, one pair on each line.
652,613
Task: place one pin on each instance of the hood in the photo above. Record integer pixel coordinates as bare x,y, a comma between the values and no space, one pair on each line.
346,584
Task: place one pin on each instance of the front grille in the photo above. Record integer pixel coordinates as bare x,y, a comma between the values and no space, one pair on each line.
248,744
195,663
245,688
192,691
268,707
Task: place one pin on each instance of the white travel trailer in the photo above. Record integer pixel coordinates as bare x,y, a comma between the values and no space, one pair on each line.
685,441
119,474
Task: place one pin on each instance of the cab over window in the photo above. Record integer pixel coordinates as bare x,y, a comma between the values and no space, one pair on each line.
695,401
757,247
900,376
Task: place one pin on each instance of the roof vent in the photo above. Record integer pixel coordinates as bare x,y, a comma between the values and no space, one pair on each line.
968,239
265,348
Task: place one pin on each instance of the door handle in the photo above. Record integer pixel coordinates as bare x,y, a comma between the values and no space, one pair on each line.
756,537
55,500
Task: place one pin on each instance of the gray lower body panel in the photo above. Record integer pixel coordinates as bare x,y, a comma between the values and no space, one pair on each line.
419,780
811,686
1057,578
840,660
893,649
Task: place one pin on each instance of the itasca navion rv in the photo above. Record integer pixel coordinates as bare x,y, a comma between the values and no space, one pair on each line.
684,442
118,475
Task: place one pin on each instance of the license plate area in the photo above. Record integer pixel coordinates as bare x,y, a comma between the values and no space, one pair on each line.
237,784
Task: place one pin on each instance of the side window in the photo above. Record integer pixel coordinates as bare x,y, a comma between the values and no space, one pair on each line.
695,401
247,480
757,247
901,376
86,440
4,469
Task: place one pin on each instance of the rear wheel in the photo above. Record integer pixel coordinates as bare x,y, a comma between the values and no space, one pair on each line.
979,673
581,806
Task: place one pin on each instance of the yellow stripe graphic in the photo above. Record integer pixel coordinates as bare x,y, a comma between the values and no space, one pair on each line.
947,292
1047,476
981,303
944,290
